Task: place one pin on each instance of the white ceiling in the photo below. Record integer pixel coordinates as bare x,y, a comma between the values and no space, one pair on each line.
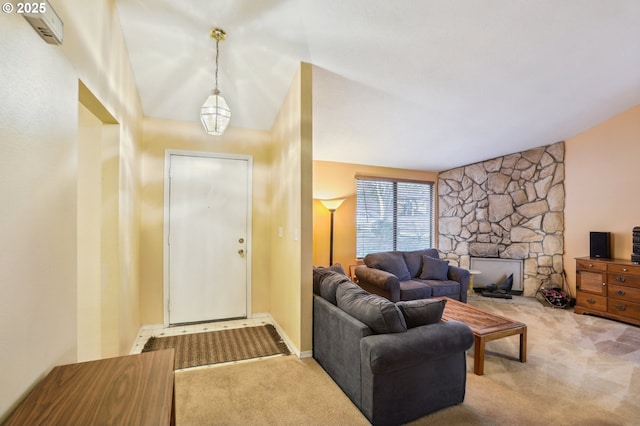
419,84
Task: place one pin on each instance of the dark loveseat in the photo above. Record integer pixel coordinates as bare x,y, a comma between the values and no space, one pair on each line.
393,368
410,275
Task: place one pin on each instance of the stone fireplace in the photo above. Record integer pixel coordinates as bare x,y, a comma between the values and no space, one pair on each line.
509,207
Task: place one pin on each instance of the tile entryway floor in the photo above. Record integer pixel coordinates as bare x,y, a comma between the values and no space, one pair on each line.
146,331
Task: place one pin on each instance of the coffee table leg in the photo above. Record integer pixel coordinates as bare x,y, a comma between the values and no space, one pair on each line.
523,345
478,355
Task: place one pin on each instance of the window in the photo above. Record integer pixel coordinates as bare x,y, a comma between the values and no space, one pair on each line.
393,215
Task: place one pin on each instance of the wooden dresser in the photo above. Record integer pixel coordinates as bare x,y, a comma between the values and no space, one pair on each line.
608,288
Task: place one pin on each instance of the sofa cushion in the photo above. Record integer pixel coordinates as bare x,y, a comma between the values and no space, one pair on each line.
434,269
326,282
443,288
421,312
414,289
413,259
390,261
378,313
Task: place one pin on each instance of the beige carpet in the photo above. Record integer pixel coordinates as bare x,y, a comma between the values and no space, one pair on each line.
580,370
280,390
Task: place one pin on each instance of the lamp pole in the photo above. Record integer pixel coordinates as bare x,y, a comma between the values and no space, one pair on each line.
331,238
332,205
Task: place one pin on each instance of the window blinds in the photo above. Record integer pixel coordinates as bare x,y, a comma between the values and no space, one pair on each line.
393,215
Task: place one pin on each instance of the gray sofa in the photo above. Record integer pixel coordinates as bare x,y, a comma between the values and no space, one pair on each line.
410,275
391,367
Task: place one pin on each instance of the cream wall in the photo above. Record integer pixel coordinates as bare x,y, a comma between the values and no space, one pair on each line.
89,234
39,187
94,44
160,135
337,180
602,175
291,237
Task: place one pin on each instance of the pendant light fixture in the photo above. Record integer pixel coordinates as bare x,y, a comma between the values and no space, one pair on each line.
215,113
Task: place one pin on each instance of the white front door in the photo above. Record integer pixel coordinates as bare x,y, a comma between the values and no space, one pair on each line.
207,238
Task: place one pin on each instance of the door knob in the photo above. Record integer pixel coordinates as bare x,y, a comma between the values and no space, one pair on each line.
240,251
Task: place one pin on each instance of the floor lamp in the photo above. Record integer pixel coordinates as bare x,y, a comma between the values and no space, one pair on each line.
332,205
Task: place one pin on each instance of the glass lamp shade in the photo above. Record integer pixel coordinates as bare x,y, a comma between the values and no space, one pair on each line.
215,114
332,204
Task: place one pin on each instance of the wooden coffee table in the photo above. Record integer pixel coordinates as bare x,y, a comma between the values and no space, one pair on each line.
485,327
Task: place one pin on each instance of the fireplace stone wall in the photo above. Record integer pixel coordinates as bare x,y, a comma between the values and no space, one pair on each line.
509,207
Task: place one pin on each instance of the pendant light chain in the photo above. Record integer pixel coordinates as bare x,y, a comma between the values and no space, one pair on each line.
216,91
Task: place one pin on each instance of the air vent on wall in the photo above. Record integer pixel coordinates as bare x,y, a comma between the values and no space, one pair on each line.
44,20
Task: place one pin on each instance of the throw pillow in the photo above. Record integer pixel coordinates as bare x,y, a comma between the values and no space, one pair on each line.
413,260
422,311
434,269
378,313
390,261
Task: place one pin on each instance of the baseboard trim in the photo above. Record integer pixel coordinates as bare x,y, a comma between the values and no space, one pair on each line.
293,348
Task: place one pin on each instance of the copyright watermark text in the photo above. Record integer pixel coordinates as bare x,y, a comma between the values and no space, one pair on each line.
22,8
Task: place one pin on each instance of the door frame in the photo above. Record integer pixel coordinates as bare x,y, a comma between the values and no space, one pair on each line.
165,238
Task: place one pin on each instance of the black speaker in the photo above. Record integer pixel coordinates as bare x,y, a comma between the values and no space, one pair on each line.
600,245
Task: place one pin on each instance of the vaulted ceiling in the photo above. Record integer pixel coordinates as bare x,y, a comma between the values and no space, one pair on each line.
419,84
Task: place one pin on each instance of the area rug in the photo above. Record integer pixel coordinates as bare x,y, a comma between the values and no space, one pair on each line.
213,347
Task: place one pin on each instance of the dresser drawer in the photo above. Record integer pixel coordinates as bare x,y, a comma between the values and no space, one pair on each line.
619,292
591,301
623,279
624,269
624,308
591,265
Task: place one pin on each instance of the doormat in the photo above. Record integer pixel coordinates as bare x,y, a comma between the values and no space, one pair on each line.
213,347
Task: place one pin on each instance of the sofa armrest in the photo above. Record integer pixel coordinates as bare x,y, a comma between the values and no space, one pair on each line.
336,345
460,275
378,282
386,353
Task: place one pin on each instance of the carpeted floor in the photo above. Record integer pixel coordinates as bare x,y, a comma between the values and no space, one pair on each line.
281,390
580,370
196,349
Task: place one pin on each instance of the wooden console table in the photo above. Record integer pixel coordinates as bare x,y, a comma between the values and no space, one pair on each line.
126,390
485,327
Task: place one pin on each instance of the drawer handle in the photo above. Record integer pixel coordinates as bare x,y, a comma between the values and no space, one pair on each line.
624,269
591,301
621,308
621,293
621,279
591,265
